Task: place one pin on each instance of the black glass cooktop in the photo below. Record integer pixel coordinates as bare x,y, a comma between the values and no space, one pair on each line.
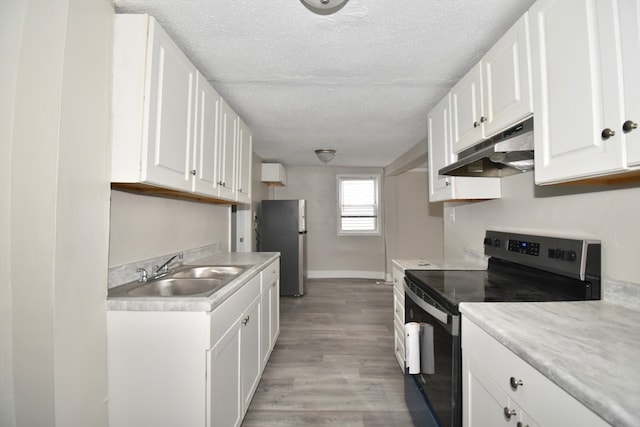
501,282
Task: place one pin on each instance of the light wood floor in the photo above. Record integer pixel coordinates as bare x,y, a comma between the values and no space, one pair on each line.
333,363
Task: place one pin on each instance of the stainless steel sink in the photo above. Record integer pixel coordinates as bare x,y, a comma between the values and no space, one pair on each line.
209,271
185,281
172,287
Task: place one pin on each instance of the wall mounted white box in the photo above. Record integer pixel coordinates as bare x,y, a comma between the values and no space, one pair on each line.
274,173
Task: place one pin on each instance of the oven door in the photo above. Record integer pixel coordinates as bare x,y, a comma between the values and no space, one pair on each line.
442,388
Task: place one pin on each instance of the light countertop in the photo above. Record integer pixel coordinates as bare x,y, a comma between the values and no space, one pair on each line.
438,264
591,349
257,260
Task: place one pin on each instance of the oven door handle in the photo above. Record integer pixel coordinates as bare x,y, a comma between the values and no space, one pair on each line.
442,316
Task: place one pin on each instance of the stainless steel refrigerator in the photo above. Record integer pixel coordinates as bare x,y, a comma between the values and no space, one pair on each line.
284,230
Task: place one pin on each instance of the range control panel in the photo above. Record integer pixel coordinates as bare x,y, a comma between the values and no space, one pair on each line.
571,257
524,247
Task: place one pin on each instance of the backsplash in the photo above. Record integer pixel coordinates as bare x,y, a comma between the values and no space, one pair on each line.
126,273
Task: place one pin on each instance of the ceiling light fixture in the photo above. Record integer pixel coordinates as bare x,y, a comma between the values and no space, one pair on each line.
324,7
325,155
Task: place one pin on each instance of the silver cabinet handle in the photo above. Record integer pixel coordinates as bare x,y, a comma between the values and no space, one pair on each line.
519,424
193,172
483,119
508,413
245,320
476,124
515,383
608,133
629,125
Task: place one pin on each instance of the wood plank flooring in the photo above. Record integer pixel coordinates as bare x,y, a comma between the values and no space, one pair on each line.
333,363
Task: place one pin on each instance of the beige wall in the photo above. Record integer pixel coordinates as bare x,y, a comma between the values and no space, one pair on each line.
58,197
414,226
610,214
12,15
145,227
330,255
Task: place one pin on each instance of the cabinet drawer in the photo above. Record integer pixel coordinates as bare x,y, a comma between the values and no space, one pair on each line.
544,400
398,332
270,274
225,315
398,307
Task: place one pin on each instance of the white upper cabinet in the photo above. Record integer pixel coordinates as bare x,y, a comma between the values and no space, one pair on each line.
171,129
585,88
154,97
467,115
205,157
243,167
629,14
496,92
506,80
440,151
227,152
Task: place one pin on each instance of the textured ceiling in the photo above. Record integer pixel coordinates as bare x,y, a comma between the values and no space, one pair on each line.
360,81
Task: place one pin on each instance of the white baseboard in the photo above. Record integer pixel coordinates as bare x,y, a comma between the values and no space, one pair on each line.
342,274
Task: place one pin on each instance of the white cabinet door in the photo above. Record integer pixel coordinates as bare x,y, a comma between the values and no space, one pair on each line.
243,166
629,13
466,110
576,90
485,403
227,154
270,310
439,143
205,158
265,315
398,315
250,359
506,80
225,398
274,314
171,113
443,187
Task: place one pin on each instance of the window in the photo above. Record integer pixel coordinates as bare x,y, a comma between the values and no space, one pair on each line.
358,204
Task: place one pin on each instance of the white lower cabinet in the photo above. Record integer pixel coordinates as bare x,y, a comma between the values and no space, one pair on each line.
250,360
223,380
270,314
398,315
192,368
501,389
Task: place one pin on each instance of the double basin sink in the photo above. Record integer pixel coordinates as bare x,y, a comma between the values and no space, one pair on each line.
184,281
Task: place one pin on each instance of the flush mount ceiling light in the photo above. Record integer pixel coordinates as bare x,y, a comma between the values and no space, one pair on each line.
325,155
324,7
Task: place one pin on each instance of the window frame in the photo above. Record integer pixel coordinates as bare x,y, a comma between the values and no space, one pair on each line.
378,205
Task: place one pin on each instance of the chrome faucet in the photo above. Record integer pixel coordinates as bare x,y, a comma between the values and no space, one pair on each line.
143,275
164,268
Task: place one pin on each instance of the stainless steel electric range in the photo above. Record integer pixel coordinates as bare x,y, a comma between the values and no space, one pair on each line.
521,268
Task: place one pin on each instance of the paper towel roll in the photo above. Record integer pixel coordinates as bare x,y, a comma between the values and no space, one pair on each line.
427,361
412,347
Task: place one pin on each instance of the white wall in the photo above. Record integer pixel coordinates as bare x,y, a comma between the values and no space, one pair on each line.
58,194
330,255
145,227
610,214
414,226
12,15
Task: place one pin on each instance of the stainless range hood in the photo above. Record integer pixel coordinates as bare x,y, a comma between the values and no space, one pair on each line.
508,153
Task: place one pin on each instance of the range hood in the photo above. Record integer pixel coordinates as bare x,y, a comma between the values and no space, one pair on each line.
508,153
